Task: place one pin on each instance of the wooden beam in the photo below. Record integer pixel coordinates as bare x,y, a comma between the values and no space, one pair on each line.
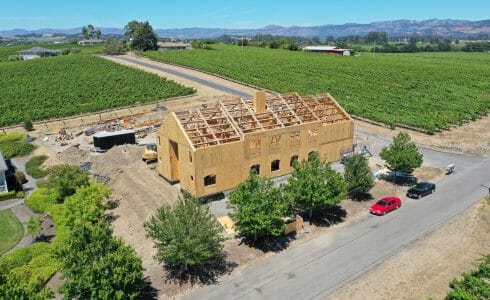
209,128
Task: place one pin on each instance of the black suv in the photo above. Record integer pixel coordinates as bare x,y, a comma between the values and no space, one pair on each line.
421,189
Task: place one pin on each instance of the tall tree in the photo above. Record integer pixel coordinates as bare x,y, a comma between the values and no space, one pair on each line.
185,235
259,207
358,176
89,32
314,184
97,266
141,35
402,155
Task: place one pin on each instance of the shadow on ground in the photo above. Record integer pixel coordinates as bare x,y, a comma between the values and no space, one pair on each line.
326,217
204,274
269,244
149,292
362,197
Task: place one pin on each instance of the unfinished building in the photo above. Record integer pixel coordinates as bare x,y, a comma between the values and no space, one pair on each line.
213,149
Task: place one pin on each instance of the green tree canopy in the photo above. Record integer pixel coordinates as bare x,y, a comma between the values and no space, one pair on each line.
314,184
113,46
141,35
89,32
402,155
474,285
260,207
358,176
65,179
97,266
185,235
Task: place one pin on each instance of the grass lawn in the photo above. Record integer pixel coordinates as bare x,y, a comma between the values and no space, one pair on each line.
11,230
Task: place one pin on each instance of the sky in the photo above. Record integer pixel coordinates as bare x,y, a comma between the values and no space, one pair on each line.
36,14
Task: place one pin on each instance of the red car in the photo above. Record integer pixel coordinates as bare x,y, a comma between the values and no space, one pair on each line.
386,205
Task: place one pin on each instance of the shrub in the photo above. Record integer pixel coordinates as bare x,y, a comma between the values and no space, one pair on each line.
15,144
33,167
7,196
65,179
28,125
41,199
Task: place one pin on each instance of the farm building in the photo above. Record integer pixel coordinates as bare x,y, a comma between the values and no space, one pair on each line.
37,52
328,50
3,170
91,42
162,46
213,149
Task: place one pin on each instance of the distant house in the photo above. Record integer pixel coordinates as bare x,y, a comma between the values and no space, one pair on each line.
91,42
3,170
328,50
162,46
37,52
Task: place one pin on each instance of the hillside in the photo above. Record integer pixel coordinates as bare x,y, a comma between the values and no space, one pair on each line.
453,28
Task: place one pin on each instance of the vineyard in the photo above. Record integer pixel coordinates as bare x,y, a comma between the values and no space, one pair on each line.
426,90
74,84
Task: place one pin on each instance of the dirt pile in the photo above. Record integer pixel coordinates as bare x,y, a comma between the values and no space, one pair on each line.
73,155
116,159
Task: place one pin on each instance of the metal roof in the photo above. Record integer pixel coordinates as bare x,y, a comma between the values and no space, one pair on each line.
113,133
3,164
324,48
172,44
36,50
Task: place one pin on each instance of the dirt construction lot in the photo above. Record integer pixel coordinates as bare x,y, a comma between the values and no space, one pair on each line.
425,268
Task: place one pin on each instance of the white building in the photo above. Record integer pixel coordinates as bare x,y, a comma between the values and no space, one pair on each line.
328,50
3,180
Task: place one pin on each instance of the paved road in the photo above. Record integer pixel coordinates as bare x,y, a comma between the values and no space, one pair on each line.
316,268
183,74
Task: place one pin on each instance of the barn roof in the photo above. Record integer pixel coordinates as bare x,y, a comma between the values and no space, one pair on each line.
324,48
36,50
232,118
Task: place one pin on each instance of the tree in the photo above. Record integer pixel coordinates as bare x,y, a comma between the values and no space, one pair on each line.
472,285
97,266
259,207
34,226
358,176
89,32
65,179
113,46
141,35
28,125
402,155
186,235
314,184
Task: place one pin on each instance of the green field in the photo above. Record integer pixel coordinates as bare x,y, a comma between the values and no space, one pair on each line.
11,230
74,84
426,90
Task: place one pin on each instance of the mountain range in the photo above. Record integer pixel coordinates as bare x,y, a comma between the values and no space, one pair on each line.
447,27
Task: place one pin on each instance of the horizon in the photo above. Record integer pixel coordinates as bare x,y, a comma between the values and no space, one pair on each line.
288,26
32,15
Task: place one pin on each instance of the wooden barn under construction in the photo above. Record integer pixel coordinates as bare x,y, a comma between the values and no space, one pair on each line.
213,149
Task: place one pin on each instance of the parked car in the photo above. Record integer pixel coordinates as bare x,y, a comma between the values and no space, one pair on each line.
400,178
421,189
386,205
